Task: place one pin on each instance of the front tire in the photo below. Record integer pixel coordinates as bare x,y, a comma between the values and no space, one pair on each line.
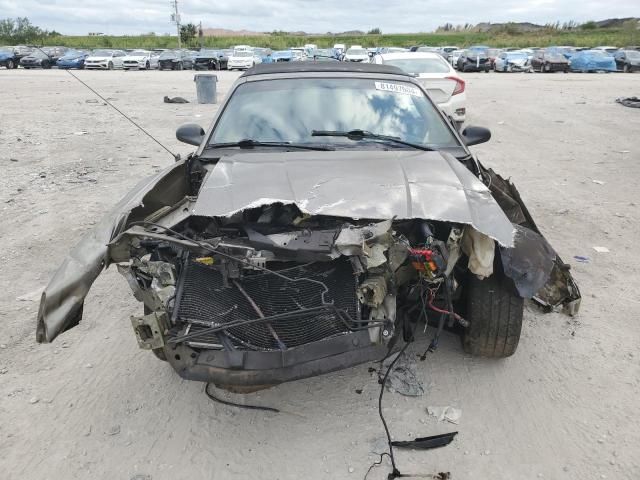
11,65
626,68
147,66
110,66
495,313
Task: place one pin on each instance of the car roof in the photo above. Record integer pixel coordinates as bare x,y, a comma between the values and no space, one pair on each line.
321,67
409,55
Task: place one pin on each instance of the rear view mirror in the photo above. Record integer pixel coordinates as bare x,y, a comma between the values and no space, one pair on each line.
190,133
475,135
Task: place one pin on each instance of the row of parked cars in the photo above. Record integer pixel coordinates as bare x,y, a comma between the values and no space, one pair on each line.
109,59
479,58
546,60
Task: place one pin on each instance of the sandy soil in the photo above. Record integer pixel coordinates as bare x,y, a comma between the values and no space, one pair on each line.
92,405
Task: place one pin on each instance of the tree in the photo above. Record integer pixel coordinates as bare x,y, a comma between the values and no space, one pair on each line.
188,32
590,25
374,31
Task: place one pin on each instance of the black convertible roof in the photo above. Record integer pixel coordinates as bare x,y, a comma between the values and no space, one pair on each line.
306,67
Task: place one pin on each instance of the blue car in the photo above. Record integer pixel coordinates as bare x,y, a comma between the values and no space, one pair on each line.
592,61
8,58
72,59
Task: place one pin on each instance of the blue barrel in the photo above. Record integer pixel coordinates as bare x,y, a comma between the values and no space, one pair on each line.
206,87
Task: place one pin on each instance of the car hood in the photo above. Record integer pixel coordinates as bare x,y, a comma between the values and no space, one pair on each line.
367,185
98,58
135,58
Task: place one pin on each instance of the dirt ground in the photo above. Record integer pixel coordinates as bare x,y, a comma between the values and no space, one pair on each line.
92,405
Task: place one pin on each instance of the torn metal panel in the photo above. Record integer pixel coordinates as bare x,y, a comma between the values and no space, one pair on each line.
62,301
372,185
529,262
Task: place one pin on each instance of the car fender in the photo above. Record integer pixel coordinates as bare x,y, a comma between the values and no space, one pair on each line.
62,300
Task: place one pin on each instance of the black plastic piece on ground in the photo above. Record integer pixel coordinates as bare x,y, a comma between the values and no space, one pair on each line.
427,443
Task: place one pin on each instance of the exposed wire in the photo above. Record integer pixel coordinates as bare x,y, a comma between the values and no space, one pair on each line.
232,404
212,249
395,473
375,464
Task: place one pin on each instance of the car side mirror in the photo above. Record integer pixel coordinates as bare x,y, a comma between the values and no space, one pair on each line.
190,133
475,135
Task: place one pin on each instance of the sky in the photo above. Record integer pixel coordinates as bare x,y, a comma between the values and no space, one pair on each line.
119,17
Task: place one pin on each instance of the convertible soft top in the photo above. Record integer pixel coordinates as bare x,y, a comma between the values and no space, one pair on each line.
305,67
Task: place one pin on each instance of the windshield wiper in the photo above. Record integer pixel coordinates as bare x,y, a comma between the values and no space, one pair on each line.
248,143
363,134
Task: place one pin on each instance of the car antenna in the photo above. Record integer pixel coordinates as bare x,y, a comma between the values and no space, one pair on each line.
175,156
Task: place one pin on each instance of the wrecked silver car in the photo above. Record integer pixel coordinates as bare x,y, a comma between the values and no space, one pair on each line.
328,211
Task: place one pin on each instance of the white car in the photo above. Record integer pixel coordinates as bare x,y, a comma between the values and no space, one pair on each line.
140,59
356,54
440,80
454,56
515,61
243,60
103,59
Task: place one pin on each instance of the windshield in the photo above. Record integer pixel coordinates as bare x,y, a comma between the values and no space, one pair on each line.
356,51
169,54
138,53
517,56
289,110
420,65
6,50
243,54
209,53
632,54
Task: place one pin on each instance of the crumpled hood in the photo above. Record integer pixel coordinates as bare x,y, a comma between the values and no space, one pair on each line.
367,185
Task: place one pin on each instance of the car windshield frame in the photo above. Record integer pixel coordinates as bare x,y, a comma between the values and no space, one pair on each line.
357,51
445,138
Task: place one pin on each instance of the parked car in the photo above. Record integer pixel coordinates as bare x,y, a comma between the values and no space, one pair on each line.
54,53
72,59
356,54
140,60
453,57
36,59
300,238
545,61
104,59
22,51
242,60
627,60
476,60
282,56
593,61
443,84
324,55
176,60
8,58
493,53
514,61
207,59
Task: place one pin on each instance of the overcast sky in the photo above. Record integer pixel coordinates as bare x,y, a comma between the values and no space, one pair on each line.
315,16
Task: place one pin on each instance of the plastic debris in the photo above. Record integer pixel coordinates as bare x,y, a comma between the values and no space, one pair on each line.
448,413
598,182
601,249
581,259
403,378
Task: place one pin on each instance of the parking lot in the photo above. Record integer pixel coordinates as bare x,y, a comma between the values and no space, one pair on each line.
93,405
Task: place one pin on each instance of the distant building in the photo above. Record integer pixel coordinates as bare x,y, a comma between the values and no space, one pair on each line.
96,34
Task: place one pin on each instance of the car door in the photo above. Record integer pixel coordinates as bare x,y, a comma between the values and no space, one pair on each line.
501,62
619,57
118,59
